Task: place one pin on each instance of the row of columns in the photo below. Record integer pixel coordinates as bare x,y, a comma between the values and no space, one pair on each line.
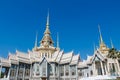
17,71
103,68
116,64
76,73
48,55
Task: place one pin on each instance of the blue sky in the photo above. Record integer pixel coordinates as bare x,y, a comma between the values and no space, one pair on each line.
75,20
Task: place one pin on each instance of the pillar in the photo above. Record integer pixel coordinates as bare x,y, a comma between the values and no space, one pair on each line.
58,71
102,67
118,67
30,71
94,69
106,69
76,73
8,75
23,72
17,71
69,73
64,72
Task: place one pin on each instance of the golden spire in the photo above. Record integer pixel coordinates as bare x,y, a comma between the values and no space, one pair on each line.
47,24
47,40
47,31
103,48
101,40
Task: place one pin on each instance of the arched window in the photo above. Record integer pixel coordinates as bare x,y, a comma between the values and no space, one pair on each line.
27,72
91,72
45,54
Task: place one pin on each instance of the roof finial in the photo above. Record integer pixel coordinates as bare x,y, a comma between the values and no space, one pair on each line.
94,46
101,40
47,24
36,40
57,40
111,43
47,31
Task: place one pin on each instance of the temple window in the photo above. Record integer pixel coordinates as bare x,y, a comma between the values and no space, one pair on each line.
73,73
50,68
91,72
61,70
61,74
27,72
45,54
80,74
12,73
20,73
67,73
37,67
87,75
67,70
73,70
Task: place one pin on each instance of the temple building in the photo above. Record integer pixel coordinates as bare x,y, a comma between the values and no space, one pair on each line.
47,62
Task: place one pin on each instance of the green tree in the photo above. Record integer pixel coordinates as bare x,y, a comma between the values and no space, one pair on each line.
113,53
1,75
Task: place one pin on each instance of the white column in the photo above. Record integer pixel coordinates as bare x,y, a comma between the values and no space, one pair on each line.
17,71
94,69
24,72
64,72
54,71
69,73
118,67
30,71
58,71
76,73
8,76
102,67
116,70
106,69
46,69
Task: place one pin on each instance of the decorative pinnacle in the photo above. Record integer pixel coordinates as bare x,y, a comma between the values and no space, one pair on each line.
57,40
36,39
47,31
94,46
111,43
47,24
101,40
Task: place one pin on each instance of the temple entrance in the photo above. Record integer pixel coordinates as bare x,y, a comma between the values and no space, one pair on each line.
43,78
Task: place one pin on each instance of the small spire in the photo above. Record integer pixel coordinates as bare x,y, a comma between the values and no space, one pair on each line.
111,43
57,40
101,40
36,40
47,24
94,46
47,31
47,40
